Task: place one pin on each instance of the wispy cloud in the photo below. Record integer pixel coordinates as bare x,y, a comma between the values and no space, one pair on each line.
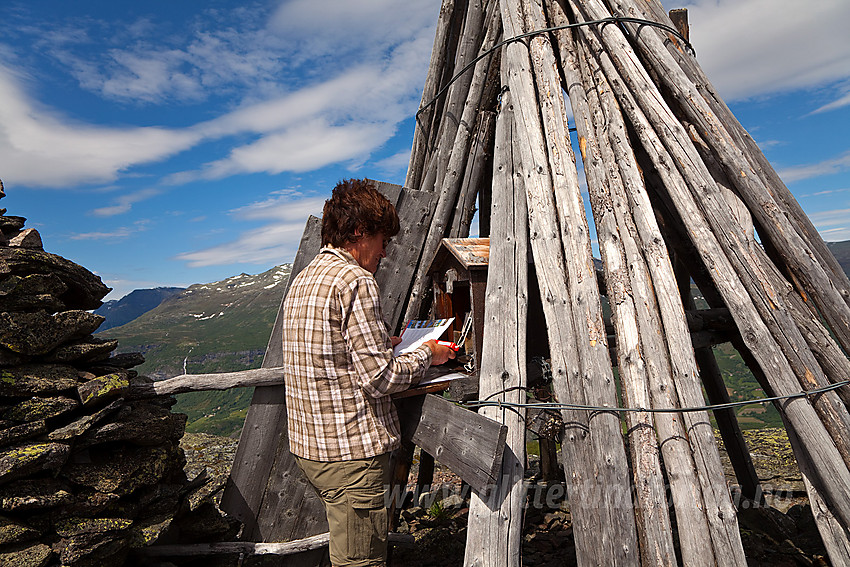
294,118
116,234
275,242
826,167
41,148
833,225
125,202
756,47
840,102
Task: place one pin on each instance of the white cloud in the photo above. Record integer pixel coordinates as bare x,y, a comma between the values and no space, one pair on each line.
282,208
756,47
119,233
827,167
41,148
125,202
274,243
840,102
833,225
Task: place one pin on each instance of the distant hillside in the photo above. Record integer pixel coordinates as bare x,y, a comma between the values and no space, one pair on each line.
841,251
136,303
216,327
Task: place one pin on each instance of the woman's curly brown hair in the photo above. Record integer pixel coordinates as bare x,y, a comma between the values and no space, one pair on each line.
356,204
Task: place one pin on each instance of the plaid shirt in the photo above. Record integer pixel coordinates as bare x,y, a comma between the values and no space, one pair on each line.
339,365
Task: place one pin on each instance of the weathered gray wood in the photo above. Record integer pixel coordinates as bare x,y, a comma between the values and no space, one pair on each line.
395,272
642,244
756,333
478,172
494,529
250,548
205,382
653,521
599,494
775,225
832,532
785,200
449,180
436,68
262,431
469,444
716,392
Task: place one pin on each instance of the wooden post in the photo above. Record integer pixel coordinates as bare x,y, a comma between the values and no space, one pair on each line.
494,532
728,278
449,180
603,518
654,528
796,251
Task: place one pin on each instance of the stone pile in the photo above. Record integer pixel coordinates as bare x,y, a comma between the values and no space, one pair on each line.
86,472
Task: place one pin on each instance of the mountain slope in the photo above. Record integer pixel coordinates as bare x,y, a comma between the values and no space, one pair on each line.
212,327
133,305
841,251
216,327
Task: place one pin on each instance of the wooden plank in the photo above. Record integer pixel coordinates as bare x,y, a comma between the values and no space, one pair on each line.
469,444
395,273
494,530
250,548
262,433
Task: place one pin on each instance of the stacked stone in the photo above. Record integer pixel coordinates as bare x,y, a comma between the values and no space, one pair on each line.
86,473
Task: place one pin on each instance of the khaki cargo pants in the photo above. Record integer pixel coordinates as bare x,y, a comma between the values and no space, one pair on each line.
354,494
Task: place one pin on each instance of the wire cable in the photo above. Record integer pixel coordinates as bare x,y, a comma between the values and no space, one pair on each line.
603,21
556,405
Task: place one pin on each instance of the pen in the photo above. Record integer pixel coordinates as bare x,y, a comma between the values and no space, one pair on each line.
449,344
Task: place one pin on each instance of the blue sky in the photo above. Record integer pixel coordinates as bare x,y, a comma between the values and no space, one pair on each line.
170,143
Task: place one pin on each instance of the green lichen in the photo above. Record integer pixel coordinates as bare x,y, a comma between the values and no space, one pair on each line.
104,386
77,525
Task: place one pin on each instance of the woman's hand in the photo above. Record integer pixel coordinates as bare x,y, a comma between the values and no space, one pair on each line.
440,354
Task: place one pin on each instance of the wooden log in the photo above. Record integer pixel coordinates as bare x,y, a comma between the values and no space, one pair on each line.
796,251
728,279
205,382
424,120
249,548
653,521
693,503
715,389
601,506
494,530
478,172
262,433
469,444
449,180
755,156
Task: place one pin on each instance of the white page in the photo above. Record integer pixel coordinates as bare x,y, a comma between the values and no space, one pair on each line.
418,332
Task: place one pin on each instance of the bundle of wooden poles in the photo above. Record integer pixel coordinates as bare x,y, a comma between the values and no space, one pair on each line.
679,193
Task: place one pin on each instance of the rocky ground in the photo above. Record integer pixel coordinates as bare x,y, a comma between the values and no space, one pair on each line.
778,535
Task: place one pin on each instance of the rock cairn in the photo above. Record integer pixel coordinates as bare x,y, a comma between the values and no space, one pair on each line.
86,472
